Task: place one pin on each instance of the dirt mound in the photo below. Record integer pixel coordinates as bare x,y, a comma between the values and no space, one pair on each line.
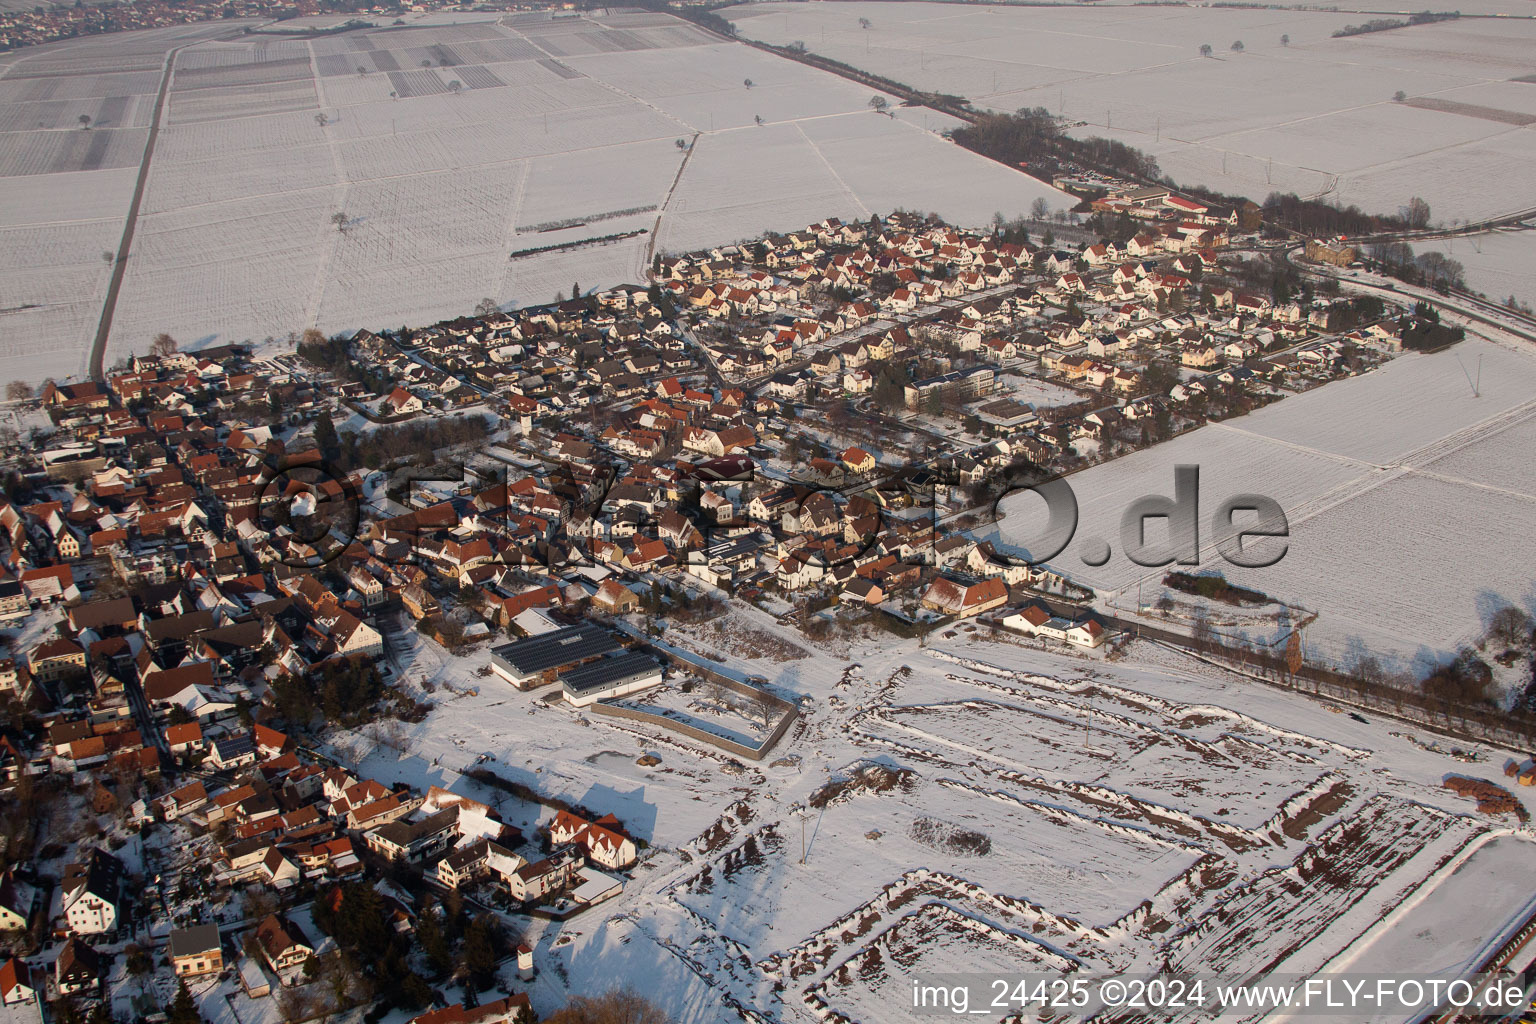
1491,798
947,837
871,778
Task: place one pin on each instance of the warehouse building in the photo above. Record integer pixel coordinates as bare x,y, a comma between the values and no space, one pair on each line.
536,660
609,677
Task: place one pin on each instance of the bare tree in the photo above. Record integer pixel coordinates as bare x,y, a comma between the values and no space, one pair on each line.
107,256
617,1006
487,307
1416,213
1285,40
361,70
18,391
864,23
1399,96
1205,49
455,86
1237,46
162,345
878,104
758,118
340,220
1039,209
1510,626
85,121
682,143
747,82
321,119
765,705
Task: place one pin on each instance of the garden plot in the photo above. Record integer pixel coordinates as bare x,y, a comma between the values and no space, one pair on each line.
876,983
1039,393
1077,872
1458,919
1384,851
249,262
64,152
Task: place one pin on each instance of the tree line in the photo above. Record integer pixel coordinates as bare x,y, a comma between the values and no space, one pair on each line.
1033,138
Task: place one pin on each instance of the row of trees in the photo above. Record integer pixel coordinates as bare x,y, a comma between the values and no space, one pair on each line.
1033,138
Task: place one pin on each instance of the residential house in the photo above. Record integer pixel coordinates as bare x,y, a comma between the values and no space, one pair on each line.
284,946
92,892
196,951
950,597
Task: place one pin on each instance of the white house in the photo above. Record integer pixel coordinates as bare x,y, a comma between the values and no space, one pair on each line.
91,893
1036,620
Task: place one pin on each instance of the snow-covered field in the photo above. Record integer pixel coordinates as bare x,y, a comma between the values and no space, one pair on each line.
1498,264
447,143
980,805
67,184
1399,486
1314,116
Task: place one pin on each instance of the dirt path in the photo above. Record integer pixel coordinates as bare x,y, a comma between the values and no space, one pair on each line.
650,250
120,265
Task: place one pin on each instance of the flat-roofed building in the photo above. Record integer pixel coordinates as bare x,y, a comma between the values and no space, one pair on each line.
535,660
609,677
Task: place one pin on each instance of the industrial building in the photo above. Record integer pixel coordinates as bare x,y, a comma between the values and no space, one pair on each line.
609,677
535,660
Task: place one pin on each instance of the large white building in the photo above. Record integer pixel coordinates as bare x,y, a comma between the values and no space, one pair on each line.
609,677
92,891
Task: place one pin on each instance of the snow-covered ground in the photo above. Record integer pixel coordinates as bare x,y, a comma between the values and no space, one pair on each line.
446,144
1314,115
1498,264
67,184
1399,487
978,804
